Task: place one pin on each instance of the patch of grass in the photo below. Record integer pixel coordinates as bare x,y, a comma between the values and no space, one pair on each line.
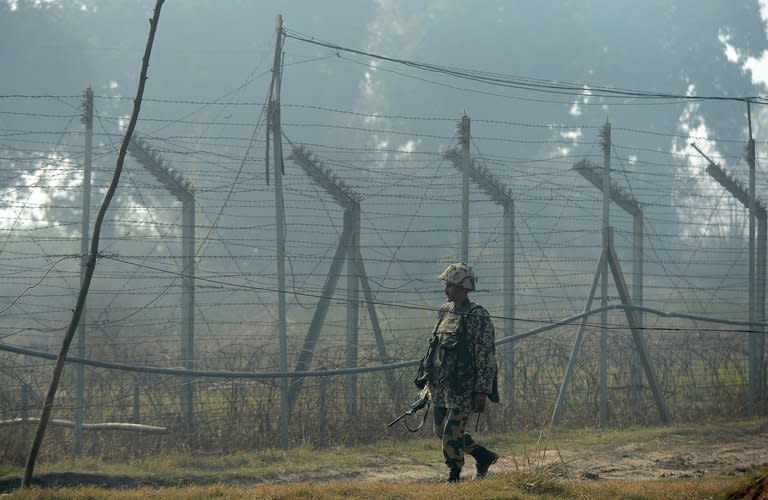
590,438
751,487
672,489
278,466
532,468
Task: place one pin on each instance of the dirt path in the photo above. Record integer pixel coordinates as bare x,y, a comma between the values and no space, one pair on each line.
724,453
712,452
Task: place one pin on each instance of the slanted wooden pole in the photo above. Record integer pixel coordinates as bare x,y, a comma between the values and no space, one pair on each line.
45,414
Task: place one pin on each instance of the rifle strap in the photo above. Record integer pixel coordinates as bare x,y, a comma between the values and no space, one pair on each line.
423,420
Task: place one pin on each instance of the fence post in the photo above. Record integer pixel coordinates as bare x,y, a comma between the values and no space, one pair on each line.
136,403
24,413
322,420
87,119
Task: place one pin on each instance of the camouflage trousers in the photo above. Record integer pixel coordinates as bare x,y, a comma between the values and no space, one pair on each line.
449,425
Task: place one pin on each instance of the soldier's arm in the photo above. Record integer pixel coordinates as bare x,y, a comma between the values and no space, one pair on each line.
484,350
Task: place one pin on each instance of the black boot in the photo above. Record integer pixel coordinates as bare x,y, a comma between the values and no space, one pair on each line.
454,475
484,458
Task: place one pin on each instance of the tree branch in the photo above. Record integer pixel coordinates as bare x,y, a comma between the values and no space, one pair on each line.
91,261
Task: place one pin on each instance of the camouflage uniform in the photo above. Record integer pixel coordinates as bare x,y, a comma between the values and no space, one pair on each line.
463,362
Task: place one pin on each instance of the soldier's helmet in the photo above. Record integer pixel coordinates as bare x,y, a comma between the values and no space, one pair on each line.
459,274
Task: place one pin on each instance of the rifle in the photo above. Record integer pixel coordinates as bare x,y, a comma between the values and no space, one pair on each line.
421,402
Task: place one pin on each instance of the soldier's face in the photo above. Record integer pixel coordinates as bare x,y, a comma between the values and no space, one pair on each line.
454,293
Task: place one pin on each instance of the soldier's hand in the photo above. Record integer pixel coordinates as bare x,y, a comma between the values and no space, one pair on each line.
478,401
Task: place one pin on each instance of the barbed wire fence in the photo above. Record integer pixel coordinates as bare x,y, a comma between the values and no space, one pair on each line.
695,263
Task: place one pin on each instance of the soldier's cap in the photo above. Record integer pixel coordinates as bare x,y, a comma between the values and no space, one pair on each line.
459,274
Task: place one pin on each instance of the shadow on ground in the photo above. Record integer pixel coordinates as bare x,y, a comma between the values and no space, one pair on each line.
73,479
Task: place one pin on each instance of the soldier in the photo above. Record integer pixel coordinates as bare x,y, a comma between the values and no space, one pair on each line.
460,371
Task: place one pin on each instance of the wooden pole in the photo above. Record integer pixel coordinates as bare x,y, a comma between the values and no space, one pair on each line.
45,415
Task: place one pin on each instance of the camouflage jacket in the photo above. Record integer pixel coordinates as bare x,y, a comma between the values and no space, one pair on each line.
463,358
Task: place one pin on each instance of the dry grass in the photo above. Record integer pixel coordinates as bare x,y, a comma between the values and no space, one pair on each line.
534,465
498,487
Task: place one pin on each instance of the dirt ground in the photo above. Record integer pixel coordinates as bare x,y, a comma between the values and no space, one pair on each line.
677,454
711,451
